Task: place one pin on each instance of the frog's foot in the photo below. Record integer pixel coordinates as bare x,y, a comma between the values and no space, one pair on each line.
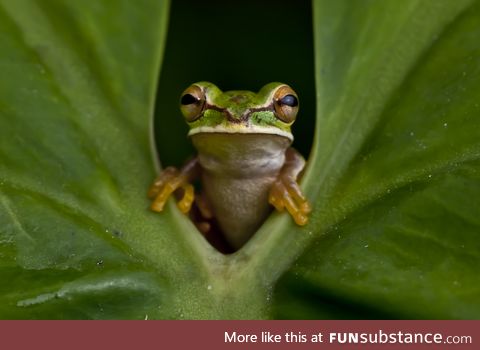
286,194
204,206
168,182
203,214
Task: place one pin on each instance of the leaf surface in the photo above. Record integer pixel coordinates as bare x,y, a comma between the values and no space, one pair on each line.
398,174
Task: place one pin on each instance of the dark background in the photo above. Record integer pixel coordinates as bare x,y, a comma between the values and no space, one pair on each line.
237,45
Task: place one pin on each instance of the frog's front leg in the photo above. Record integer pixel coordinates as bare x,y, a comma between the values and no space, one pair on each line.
286,193
172,179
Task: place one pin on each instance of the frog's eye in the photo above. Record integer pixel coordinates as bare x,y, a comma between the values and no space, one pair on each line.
285,101
192,103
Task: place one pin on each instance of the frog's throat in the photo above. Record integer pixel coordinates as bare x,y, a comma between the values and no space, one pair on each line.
250,130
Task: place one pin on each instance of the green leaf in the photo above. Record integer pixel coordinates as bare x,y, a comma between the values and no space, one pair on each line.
397,166
76,98
393,173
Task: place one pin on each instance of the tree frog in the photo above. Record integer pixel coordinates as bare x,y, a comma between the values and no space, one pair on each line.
244,162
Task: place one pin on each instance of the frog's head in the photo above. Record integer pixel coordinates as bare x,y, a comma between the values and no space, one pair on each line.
272,110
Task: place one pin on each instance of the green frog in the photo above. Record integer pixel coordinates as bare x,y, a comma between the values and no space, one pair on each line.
245,162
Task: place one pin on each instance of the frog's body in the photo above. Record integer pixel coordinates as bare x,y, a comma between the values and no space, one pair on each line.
244,160
238,171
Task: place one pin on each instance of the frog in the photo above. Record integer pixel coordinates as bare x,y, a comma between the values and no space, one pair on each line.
245,162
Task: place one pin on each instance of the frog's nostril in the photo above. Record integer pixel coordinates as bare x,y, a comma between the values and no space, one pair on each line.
233,117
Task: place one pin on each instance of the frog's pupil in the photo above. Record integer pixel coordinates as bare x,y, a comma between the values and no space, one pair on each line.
188,99
289,100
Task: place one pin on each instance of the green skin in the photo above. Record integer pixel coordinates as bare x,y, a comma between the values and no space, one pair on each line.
237,103
243,150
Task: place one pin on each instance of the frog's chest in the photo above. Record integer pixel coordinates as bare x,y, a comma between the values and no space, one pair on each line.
237,173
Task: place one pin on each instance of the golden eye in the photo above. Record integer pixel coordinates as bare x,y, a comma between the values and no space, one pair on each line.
285,101
192,103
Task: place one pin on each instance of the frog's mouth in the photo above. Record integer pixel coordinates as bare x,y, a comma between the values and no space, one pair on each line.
240,129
